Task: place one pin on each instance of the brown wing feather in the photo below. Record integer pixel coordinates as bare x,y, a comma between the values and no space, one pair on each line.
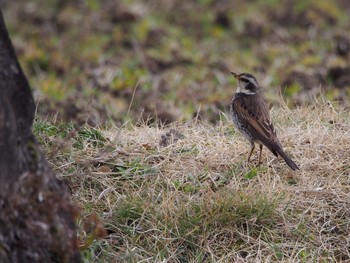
257,119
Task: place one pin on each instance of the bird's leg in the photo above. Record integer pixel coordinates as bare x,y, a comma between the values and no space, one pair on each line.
251,150
261,147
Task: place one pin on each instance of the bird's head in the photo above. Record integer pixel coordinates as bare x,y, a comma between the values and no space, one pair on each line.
247,83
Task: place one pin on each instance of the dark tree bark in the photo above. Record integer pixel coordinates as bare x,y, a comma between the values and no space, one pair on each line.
36,215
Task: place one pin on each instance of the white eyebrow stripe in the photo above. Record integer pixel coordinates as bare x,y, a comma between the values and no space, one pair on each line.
252,80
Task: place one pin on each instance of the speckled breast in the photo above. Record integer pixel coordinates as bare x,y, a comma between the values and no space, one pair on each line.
238,123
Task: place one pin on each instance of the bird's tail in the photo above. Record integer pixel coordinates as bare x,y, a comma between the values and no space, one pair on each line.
286,158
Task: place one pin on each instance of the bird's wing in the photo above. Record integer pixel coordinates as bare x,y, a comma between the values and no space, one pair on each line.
254,113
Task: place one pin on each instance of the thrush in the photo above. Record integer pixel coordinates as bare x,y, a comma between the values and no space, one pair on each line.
250,114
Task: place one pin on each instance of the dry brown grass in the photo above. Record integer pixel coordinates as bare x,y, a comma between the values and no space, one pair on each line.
197,200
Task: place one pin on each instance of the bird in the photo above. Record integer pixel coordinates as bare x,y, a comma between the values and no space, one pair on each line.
251,116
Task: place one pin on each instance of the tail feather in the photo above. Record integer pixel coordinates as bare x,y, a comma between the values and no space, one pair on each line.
286,158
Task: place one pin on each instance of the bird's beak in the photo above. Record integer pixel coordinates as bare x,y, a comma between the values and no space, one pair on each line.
235,75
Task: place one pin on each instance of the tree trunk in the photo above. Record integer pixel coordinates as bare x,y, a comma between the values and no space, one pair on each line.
36,216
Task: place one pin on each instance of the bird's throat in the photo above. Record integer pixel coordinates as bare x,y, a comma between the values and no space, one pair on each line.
244,91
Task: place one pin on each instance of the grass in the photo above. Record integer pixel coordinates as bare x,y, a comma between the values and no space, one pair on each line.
197,200
86,58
